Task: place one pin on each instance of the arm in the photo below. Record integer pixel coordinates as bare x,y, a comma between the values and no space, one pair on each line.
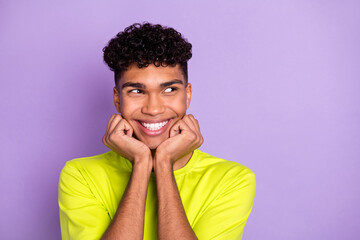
83,216
128,222
184,138
172,220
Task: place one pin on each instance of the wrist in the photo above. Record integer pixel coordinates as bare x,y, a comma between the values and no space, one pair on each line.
162,163
143,164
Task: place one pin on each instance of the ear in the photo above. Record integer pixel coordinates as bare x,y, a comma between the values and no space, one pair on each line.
188,93
116,97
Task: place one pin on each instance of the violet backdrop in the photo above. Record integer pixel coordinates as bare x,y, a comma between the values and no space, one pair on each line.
275,87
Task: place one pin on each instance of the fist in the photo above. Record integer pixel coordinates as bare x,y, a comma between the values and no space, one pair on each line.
119,138
185,137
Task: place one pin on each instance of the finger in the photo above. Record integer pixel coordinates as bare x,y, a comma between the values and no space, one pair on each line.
195,122
110,121
108,128
199,136
176,128
124,128
192,123
189,122
180,127
112,126
114,122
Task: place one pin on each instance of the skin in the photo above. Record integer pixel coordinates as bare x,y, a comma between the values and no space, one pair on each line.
152,94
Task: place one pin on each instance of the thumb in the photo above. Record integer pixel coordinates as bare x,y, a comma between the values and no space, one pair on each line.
124,128
179,128
176,129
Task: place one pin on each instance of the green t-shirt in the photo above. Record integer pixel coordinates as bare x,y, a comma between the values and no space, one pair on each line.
217,196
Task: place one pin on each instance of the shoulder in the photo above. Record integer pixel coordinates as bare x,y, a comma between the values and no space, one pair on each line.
103,160
89,161
220,165
228,191
225,171
82,168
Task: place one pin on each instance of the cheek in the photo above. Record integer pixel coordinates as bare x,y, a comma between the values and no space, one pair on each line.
127,108
178,105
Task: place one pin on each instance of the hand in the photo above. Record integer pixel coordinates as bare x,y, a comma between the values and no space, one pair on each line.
185,137
118,137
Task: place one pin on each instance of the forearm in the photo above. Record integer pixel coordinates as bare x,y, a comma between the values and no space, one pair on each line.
128,222
172,220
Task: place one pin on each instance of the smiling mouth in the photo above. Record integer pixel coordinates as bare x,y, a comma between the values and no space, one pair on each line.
154,126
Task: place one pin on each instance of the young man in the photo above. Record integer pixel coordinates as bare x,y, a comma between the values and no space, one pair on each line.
154,183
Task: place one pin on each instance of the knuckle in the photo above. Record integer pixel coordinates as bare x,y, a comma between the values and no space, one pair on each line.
106,142
111,138
192,136
122,121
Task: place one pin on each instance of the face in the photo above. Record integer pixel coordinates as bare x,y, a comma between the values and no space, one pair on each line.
152,100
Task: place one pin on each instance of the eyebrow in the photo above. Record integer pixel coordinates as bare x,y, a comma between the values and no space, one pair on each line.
140,85
132,84
175,81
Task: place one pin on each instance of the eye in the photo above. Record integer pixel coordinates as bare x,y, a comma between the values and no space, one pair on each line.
170,89
135,91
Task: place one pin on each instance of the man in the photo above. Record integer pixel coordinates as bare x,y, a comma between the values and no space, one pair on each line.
154,183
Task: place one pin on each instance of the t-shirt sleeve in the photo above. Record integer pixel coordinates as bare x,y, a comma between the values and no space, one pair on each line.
226,216
82,215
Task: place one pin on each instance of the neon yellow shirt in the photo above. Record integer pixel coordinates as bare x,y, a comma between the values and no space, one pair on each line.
217,196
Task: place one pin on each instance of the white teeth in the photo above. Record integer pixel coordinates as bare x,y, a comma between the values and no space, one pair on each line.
154,126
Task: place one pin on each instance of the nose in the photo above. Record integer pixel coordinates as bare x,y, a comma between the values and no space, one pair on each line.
153,105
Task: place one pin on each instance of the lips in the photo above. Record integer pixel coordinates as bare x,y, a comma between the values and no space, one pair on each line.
154,128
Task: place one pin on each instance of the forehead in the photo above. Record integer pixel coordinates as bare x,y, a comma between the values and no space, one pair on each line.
151,75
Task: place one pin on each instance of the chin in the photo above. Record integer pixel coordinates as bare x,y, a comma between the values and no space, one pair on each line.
153,145
153,142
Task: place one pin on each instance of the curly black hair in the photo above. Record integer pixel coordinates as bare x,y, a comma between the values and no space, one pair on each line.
146,44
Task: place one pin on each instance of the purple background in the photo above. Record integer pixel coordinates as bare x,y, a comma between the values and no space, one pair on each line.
275,87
